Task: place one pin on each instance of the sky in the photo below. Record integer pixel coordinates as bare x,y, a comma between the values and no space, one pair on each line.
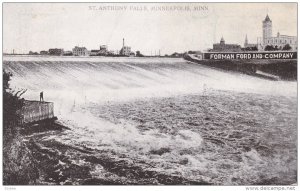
147,27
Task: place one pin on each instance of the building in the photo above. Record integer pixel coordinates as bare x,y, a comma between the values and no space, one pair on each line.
56,51
111,52
43,52
126,50
222,47
101,52
80,51
68,53
278,41
267,29
249,45
94,52
103,48
33,53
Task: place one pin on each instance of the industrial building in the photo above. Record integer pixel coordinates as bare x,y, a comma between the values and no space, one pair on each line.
126,50
222,47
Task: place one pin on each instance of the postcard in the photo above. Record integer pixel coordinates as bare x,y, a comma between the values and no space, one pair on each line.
150,94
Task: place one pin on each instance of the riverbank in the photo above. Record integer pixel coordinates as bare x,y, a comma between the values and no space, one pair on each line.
277,69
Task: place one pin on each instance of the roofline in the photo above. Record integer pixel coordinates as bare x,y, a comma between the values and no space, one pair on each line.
228,44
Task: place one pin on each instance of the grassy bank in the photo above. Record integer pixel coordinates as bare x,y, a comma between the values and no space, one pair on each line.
19,166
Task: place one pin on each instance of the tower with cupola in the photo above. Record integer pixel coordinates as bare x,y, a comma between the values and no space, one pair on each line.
267,29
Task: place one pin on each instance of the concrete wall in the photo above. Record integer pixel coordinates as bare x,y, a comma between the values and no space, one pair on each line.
35,111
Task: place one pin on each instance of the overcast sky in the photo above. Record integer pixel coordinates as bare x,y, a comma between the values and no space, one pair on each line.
40,26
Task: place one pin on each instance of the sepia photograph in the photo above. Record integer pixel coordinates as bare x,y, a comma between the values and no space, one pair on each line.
201,94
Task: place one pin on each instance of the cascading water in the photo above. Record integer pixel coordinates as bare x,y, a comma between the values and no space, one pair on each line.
168,115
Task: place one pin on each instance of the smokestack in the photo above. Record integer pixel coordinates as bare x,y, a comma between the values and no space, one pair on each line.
123,42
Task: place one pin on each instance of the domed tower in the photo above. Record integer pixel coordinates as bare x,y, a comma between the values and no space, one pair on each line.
267,29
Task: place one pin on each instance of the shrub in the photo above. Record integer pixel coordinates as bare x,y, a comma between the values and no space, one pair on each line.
19,167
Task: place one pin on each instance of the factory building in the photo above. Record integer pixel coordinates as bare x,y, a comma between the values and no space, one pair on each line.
126,50
222,47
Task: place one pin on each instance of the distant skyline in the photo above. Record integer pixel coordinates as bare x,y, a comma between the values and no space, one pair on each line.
147,27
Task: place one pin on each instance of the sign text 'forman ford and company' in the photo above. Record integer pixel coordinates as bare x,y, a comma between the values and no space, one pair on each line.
262,55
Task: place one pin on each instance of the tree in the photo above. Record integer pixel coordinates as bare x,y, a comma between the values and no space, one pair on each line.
191,52
12,103
19,167
138,54
254,48
176,55
269,48
287,47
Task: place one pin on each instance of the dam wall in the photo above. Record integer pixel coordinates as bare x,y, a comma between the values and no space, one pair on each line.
284,69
